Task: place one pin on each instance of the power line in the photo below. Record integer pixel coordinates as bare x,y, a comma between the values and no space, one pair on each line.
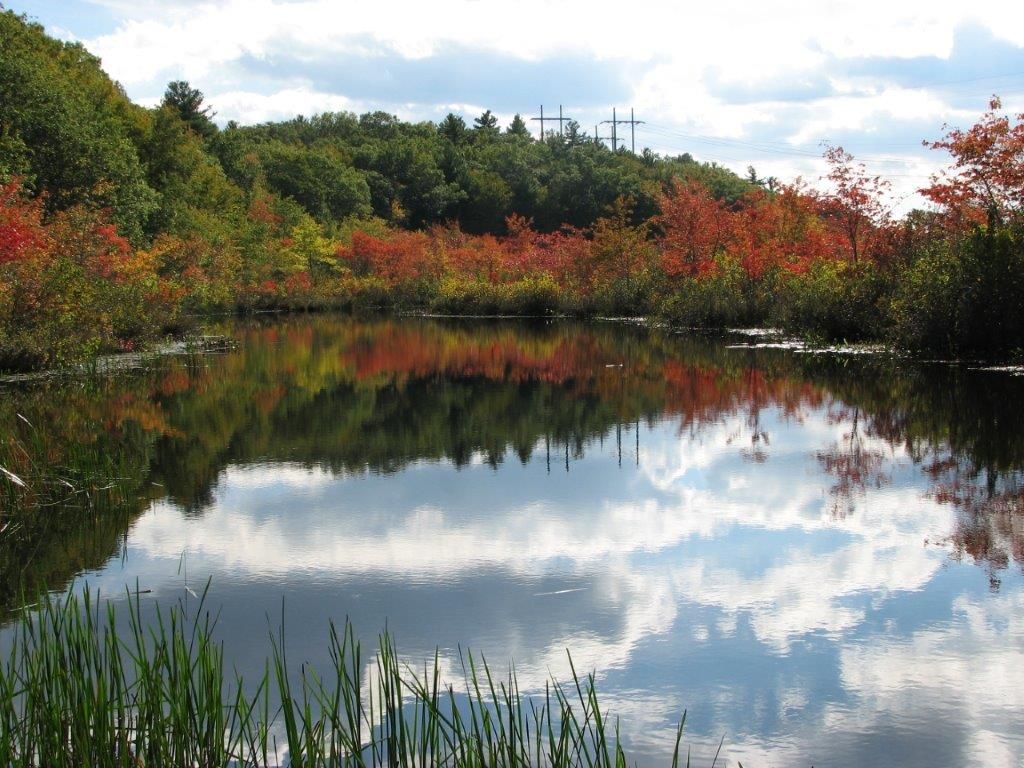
733,158
777,148
928,83
723,141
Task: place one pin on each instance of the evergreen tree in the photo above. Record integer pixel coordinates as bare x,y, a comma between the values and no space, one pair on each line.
518,128
188,103
486,123
453,128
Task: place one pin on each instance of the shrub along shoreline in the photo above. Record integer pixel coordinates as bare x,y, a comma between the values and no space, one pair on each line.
79,290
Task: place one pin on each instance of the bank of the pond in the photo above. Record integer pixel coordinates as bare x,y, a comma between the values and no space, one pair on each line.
963,299
75,692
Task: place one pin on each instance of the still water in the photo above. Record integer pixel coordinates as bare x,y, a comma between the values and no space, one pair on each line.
818,556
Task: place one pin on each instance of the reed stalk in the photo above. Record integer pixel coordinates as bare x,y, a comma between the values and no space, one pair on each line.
75,692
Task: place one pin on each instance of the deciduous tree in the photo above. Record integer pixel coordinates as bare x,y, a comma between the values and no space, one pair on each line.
987,177
856,202
695,226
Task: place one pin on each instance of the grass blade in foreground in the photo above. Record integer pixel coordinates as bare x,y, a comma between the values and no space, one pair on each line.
75,693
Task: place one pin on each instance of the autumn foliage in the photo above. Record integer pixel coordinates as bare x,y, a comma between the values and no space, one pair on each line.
987,175
71,284
828,260
21,232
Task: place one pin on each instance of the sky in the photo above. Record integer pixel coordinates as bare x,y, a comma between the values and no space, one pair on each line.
735,82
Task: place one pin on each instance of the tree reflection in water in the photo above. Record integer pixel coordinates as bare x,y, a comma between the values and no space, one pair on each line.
357,396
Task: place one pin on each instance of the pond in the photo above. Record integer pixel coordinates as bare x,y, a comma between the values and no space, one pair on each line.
817,556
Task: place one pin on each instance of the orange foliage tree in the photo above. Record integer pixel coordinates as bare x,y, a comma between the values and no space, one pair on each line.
856,204
404,257
696,227
987,177
781,231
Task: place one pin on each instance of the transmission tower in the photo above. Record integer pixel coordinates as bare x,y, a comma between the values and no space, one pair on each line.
560,120
598,137
632,123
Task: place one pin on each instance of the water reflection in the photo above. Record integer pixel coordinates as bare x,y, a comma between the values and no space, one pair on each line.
783,544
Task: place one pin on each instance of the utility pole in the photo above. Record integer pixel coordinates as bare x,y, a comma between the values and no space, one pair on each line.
541,118
598,137
614,121
632,123
560,120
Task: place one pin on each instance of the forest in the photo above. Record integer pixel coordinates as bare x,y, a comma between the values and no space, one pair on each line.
120,224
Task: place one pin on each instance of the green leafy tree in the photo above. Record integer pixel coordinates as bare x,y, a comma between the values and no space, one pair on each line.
318,179
380,125
70,130
488,204
573,134
409,171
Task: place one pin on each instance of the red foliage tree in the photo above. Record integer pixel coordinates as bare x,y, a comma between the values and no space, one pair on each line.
521,247
85,236
478,258
21,229
781,231
696,228
857,203
403,257
987,177
566,256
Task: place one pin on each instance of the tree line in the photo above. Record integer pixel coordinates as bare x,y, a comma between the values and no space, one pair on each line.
118,223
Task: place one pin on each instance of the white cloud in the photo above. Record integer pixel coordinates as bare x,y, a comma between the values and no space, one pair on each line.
683,490
683,60
250,107
979,653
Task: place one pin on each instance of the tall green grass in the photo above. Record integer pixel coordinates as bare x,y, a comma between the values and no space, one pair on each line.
73,692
